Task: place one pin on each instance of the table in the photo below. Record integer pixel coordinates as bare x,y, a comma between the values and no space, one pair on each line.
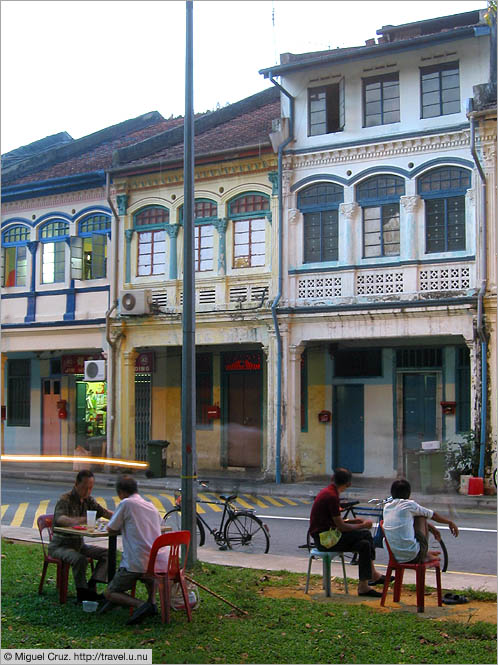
113,540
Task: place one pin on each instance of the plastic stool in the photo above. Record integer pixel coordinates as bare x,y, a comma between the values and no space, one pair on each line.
327,558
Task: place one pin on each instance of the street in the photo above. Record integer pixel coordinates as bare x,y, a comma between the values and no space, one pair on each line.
473,552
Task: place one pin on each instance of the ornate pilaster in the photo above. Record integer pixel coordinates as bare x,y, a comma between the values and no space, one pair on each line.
128,237
172,230
220,225
273,178
408,227
347,214
122,201
31,304
127,406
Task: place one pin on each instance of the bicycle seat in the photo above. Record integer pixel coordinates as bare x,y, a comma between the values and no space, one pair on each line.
224,497
348,504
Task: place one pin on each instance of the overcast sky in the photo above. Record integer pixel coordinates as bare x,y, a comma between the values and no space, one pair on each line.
82,66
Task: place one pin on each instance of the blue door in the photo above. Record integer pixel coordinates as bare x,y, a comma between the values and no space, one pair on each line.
419,409
349,428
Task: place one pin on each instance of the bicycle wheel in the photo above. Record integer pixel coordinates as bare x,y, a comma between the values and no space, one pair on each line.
245,532
439,546
494,476
173,518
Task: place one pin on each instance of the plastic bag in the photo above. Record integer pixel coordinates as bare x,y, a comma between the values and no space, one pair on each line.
176,596
330,538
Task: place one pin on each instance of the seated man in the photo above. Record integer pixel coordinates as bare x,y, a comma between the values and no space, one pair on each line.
139,523
406,527
70,510
354,534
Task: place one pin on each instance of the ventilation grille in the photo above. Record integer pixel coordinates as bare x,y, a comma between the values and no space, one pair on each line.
160,298
259,292
379,283
238,294
206,296
445,279
319,287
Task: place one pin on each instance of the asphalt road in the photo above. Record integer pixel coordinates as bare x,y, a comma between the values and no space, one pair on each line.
474,551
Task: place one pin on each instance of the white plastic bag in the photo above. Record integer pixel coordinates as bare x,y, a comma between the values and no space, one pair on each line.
176,596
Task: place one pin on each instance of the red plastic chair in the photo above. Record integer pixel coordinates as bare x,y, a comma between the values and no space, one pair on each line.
175,571
419,568
45,523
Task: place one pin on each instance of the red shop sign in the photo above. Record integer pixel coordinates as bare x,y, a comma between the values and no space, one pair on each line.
75,364
242,361
144,364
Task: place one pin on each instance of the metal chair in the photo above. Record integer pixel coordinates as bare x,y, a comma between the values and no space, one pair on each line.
327,558
45,524
419,568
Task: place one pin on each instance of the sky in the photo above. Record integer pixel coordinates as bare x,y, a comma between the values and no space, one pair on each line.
81,66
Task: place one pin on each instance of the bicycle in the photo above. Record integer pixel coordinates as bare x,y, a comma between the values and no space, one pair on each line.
352,508
239,530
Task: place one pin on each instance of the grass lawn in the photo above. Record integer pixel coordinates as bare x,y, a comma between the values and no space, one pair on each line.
276,630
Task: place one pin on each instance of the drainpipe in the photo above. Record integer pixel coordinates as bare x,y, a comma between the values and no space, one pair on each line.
113,302
281,147
480,295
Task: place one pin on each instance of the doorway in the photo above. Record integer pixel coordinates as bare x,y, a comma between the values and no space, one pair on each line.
348,419
51,424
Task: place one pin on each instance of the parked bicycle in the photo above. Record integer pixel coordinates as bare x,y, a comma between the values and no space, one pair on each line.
239,530
375,513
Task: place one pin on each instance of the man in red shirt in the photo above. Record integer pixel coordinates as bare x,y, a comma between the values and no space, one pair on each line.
355,533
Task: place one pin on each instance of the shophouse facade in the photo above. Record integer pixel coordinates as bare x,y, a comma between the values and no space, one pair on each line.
382,314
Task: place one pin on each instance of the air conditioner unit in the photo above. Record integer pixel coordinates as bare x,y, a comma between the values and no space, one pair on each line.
134,303
94,370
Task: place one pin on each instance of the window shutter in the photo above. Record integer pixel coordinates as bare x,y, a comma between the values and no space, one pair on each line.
76,257
342,112
99,242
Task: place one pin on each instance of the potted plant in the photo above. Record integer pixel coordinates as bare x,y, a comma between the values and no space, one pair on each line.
462,458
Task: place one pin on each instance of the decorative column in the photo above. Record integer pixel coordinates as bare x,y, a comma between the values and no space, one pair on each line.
172,231
408,230
273,178
31,306
294,407
128,237
126,411
220,225
347,231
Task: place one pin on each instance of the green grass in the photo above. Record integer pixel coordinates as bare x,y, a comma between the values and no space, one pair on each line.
275,631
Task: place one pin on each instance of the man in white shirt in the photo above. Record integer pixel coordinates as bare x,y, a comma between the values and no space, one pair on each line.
406,526
139,523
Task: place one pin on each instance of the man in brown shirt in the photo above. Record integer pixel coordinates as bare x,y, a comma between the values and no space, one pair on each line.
70,510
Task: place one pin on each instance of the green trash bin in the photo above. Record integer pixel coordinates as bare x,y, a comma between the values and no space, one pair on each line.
432,469
156,457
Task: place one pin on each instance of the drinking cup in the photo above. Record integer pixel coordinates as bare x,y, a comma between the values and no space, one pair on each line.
91,516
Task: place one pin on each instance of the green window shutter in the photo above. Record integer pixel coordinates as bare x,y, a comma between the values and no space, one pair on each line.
99,242
342,112
76,257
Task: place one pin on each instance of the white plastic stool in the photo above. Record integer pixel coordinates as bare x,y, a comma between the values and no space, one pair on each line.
327,558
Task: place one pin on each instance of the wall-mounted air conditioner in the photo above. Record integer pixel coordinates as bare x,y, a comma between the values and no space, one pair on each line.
136,302
94,370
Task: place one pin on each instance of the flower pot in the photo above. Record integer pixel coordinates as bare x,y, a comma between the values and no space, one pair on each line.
464,484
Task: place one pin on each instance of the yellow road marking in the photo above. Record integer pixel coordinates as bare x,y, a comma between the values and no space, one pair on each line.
170,498
41,510
256,501
102,501
116,500
286,500
4,509
243,503
273,501
19,516
213,506
157,503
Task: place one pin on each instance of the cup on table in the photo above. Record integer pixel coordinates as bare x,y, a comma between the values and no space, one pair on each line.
91,516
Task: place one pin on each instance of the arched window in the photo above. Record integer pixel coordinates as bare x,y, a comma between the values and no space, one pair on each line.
53,236
319,204
249,229
205,211
14,259
150,224
89,248
443,190
378,197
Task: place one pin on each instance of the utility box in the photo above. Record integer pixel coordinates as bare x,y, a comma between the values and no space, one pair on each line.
156,457
432,469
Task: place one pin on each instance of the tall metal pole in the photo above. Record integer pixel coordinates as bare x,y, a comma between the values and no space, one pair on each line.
189,456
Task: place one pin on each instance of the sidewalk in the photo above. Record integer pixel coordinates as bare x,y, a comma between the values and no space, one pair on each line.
274,562
253,483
